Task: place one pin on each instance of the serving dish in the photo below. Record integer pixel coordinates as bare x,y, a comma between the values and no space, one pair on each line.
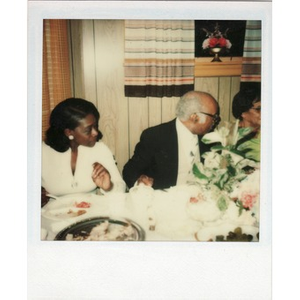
108,230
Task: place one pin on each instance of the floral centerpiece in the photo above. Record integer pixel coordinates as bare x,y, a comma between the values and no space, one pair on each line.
227,178
216,41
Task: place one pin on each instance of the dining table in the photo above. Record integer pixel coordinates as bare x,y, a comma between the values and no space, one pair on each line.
157,215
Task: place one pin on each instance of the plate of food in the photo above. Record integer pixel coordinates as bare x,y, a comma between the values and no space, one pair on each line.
102,229
70,206
63,213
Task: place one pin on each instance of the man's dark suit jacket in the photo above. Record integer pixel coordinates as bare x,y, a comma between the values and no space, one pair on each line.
156,155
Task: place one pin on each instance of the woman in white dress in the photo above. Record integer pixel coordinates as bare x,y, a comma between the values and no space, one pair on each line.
74,159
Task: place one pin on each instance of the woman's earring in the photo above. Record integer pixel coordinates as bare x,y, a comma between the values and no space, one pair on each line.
71,137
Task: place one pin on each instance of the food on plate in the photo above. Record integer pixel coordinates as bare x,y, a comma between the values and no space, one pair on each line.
105,231
77,213
61,214
82,204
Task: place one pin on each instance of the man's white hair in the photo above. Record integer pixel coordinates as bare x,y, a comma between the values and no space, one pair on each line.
190,103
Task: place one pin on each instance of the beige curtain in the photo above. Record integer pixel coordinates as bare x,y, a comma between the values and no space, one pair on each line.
56,67
251,65
159,58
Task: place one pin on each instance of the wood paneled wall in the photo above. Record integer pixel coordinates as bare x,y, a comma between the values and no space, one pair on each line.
97,54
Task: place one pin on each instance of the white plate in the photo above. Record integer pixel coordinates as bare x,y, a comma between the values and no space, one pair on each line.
66,207
64,213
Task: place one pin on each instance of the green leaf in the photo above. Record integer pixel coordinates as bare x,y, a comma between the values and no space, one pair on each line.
231,170
198,174
206,141
222,181
217,147
243,131
222,203
211,137
251,149
235,151
239,204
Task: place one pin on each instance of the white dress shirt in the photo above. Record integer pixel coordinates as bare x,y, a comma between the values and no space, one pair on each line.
188,152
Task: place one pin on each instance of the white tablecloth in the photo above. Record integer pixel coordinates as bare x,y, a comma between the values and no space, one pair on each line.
166,211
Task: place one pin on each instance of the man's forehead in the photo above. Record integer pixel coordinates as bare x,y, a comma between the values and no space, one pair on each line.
212,106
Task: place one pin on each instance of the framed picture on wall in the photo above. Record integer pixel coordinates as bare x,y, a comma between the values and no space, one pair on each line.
233,30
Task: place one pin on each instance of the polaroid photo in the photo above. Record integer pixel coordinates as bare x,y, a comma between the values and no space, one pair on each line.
122,207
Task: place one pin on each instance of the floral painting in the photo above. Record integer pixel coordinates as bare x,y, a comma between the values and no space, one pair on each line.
232,31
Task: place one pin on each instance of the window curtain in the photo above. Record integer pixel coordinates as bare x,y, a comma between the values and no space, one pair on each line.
56,67
159,58
251,63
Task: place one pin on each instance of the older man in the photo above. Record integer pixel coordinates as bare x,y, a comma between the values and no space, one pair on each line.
165,153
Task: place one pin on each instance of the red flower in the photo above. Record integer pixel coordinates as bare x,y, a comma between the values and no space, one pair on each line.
215,39
213,42
222,42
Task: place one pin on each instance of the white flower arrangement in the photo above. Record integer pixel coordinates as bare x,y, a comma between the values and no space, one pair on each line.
226,169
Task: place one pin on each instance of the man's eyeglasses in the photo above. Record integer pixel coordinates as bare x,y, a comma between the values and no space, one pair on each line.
216,118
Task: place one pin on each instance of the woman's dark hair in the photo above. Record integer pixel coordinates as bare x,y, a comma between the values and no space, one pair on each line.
243,101
67,115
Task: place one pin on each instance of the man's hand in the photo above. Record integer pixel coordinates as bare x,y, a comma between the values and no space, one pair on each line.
146,180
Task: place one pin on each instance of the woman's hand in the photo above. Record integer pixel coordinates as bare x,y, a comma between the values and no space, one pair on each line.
145,180
101,177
